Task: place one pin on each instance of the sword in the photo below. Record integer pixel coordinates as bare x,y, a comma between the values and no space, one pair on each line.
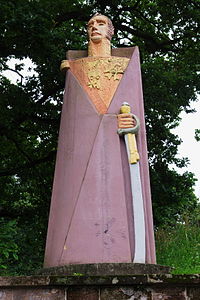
136,187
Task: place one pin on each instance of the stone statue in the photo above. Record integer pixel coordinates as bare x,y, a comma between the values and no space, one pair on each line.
91,218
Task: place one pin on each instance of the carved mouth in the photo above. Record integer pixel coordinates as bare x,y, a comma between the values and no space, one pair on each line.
96,33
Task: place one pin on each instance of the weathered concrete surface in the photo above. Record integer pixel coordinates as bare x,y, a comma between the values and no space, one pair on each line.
106,269
130,287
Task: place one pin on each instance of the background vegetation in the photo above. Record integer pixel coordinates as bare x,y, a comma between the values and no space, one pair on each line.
178,246
42,30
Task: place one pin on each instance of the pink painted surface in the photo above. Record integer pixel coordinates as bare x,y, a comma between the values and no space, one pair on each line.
91,210
130,90
99,229
78,129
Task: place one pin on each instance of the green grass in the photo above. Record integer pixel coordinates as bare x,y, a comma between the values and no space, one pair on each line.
179,247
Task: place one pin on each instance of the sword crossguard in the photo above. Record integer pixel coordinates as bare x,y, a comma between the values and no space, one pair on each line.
130,131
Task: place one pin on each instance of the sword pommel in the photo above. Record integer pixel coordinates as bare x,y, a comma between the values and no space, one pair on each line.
125,108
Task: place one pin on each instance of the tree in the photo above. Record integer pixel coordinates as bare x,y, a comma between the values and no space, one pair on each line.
30,110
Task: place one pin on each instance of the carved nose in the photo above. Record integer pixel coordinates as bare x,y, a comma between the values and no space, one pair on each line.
94,27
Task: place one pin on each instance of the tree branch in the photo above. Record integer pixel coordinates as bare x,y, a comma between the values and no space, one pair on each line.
15,71
29,164
18,147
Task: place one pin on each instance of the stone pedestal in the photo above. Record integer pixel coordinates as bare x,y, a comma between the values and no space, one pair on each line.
106,269
129,287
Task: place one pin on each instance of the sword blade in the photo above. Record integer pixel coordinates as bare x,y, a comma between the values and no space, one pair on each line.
138,210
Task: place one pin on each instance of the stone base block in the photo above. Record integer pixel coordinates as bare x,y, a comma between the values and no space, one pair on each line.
124,287
106,269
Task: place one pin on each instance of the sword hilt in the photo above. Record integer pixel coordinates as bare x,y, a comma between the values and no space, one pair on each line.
132,145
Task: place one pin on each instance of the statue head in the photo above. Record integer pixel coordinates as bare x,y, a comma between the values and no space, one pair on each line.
100,27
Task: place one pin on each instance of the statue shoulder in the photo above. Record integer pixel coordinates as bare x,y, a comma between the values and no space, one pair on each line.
64,65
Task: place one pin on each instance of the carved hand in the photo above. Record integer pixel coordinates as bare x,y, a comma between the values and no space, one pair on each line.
126,120
127,123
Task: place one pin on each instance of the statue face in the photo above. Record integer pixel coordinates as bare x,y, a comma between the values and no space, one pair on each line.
98,28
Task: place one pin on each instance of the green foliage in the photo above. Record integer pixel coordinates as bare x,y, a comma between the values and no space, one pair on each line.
8,247
21,246
179,246
197,134
43,31
30,243
177,194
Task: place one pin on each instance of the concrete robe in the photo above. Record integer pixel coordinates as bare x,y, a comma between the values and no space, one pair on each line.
91,208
